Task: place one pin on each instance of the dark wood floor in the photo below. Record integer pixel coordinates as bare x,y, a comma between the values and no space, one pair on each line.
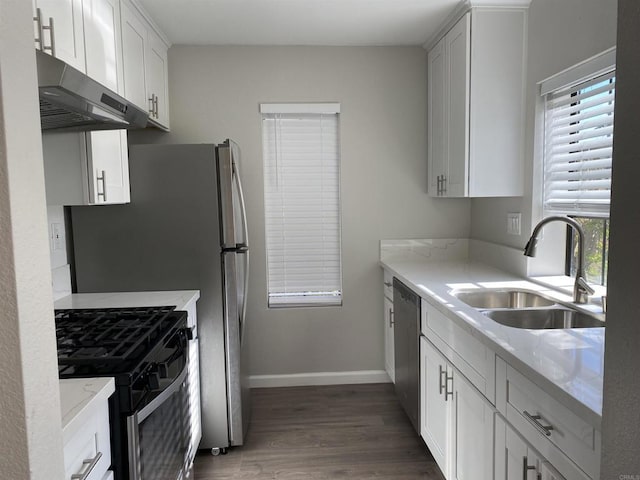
328,432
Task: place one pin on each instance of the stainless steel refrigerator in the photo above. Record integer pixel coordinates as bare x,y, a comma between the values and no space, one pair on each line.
184,229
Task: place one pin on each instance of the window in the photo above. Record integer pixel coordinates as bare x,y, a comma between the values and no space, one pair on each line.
579,109
301,157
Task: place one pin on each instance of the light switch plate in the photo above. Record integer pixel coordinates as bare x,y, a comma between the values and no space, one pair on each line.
513,223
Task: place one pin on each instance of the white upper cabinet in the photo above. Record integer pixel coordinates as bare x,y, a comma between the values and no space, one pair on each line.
476,76
103,43
134,41
157,84
59,30
145,67
86,168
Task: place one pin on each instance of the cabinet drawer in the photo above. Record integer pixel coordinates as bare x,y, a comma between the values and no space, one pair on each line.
544,422
89,447
388,285
468,354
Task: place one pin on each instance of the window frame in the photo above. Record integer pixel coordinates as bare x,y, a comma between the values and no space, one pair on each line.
310,298
574,76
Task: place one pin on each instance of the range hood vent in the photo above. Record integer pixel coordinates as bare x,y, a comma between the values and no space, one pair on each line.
71,101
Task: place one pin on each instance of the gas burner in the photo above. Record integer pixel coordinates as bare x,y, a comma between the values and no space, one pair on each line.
109,340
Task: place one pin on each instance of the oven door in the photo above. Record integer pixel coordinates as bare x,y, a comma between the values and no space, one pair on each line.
159,434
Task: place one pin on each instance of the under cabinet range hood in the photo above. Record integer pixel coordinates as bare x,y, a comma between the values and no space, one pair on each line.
71,101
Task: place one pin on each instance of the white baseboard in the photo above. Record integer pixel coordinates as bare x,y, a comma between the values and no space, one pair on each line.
321,378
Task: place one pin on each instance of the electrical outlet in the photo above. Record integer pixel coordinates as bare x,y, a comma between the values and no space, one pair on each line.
57,236
513,223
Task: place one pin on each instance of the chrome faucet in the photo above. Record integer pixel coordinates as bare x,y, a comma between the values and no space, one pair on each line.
581,289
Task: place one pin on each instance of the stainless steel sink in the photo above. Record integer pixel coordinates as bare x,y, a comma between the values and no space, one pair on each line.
512,298
544,318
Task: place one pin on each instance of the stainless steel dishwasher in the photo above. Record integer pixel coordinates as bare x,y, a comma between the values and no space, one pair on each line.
406,308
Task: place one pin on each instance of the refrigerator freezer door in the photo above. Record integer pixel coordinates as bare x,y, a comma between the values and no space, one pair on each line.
233,221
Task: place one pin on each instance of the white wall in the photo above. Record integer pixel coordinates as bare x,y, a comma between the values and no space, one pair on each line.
561,34
30,431
621,409
215,93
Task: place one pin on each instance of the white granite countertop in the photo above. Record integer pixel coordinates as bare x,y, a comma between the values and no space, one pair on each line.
76,400
178,298
568,364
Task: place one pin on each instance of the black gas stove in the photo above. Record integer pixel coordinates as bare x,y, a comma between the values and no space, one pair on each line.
145,349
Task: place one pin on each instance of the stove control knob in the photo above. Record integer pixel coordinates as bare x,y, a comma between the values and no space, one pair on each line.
153,380
189,333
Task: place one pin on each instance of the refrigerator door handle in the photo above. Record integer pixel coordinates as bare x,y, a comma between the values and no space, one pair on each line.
243,207
243,307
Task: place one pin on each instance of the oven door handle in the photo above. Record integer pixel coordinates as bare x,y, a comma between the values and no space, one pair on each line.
166,393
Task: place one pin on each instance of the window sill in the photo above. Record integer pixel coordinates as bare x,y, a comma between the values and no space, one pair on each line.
564,284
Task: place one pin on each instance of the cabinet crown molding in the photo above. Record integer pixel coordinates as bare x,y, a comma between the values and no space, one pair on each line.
465,6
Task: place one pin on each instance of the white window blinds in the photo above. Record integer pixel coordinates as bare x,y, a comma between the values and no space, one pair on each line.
578,147
302,204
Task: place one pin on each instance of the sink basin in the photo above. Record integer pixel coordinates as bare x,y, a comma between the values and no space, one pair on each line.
544,318
485,299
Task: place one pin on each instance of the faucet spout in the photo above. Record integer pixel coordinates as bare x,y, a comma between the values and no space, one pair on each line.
581,289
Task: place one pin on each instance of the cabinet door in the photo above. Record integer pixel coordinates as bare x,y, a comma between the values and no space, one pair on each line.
108,167
63,30
103,42
157,84
134,51
549,473
389,339
436,136
435,407
458,55
473,432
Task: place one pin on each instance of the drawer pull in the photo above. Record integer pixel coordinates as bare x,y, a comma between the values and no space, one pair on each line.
442,372
535,421
391,318
92,462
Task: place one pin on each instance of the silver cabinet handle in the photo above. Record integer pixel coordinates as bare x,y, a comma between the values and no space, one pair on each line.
391,318
442,372
526,467
446,387
103,179
155,106
52,37
444,185
535,421
438,191
38,20
92,462
152,104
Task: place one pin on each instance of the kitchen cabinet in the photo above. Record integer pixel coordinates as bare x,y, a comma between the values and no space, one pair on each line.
85,34
476,85
86,168
59,30
389,360
145,67
103,42
86,436
456,420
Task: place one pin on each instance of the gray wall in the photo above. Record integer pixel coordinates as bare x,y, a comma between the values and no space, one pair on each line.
215,93
621,412
561,34
30,430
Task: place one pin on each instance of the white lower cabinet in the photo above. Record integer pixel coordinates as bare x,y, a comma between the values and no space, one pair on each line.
456,420
516,459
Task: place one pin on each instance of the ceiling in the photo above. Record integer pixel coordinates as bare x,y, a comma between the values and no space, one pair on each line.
299,22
